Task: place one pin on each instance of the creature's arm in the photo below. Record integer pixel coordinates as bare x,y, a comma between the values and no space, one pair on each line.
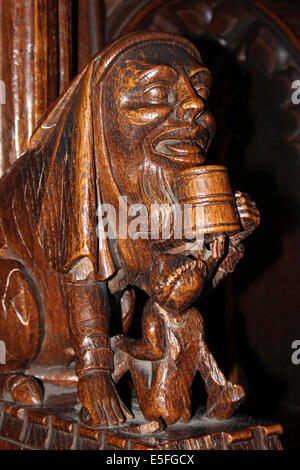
88,315
152,345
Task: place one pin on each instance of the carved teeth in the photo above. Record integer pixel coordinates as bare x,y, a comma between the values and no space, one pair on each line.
189,265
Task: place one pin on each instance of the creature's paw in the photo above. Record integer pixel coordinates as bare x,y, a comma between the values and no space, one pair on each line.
23,389
99,397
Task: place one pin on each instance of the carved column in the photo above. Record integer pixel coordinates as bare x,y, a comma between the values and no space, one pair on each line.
90,30
35,65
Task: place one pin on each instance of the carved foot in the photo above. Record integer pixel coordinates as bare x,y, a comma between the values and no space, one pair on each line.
100,400
122,360
224,405
22,389
146,428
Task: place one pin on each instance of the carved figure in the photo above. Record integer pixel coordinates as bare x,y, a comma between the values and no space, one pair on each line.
164,362
126,127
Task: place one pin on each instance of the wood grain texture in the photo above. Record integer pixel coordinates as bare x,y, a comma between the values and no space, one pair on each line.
90,149
59,428
90,24
36,66
27,43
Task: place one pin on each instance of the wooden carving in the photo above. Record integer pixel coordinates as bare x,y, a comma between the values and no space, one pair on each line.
164,362
131,130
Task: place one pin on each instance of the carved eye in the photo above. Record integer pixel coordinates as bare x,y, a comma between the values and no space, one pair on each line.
202,91
201,87
156,94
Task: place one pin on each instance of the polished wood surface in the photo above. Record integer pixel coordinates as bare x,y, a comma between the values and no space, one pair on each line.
262,39
252,49
90,149
208,191
56,426
35,65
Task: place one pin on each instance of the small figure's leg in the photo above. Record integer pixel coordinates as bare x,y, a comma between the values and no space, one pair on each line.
139,356
122,362
223,397
20,333
141,373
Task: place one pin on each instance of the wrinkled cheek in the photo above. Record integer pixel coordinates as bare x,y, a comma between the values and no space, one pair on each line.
143,125
145,117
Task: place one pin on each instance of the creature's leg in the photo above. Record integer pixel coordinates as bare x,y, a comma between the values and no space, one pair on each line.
223,397
20,332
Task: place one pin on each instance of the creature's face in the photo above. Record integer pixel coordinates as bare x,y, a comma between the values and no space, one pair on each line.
156,112
176,281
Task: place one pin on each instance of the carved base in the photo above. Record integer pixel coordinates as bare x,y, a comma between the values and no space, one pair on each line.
55,425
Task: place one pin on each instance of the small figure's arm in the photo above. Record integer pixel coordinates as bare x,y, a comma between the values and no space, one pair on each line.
152,344
249,218
223,397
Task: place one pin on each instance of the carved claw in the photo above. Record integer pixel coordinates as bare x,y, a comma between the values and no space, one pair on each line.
217,253
23,389
100,399
121,359
249,218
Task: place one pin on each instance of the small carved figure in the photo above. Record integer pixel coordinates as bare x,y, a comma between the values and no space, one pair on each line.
164,362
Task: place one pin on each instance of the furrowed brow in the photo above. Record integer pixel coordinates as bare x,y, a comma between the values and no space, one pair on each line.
162,72
202,73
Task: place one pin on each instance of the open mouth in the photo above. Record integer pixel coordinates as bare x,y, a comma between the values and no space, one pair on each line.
186,145
185,150
188,267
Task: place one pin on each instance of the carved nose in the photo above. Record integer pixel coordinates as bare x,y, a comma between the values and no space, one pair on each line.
190,107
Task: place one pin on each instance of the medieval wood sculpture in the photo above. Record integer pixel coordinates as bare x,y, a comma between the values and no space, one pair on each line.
131,130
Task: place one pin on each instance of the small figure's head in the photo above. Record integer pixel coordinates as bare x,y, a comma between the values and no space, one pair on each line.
176,281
